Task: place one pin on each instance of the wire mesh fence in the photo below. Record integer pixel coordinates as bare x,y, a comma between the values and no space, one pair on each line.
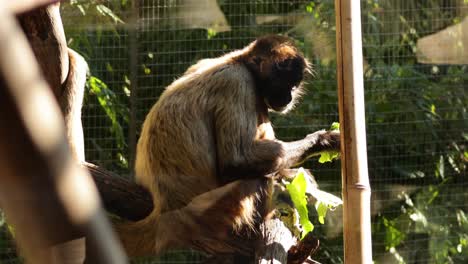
416,119
415,62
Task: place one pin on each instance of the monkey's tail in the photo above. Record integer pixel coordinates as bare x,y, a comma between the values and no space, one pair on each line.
136,236
152,235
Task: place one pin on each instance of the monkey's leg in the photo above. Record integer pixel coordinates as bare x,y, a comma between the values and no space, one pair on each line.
215,218
207,223
313,144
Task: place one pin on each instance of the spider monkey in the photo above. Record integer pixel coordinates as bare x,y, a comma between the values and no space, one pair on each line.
207,147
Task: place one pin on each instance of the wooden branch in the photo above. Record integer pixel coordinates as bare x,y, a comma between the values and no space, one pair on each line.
121,196
44,30
277,240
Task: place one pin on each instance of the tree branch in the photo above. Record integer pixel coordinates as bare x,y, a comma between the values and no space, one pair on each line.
121,196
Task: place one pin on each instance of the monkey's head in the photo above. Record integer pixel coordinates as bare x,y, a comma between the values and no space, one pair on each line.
278,69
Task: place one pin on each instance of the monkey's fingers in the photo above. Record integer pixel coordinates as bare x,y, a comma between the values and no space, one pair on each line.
322,140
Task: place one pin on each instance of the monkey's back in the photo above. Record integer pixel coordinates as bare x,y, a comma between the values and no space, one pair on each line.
177,151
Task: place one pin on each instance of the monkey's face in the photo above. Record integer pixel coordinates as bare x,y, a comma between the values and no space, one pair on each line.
284,81
278,69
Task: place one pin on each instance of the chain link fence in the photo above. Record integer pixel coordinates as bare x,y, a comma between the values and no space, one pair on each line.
415,66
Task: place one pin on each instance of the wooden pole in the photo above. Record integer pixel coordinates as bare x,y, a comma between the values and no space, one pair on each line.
356,188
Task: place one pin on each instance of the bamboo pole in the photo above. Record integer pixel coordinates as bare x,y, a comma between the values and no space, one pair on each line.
356,188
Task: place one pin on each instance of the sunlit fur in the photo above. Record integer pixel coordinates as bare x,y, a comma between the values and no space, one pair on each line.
210,127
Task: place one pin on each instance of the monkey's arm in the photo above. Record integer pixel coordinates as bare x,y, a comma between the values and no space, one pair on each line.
262,157
313,144
239,153
243,156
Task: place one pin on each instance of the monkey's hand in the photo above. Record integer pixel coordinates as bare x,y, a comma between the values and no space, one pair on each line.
313,144
321,141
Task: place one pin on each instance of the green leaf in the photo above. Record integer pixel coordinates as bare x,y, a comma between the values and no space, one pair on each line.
105,11
297,190
11,230
440,168
335,126
211,33
418,217
393,236
109,103
2,219
329,156
327,199
322,209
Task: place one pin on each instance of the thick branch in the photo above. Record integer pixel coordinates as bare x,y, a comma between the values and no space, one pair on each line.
121,196
277,240
44,30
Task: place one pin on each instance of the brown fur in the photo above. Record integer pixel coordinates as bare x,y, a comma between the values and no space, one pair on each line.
206,146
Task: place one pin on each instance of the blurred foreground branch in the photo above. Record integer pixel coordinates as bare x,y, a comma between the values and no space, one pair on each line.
46,197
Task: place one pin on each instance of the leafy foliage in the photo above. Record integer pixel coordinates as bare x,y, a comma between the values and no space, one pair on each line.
89,26
299,189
